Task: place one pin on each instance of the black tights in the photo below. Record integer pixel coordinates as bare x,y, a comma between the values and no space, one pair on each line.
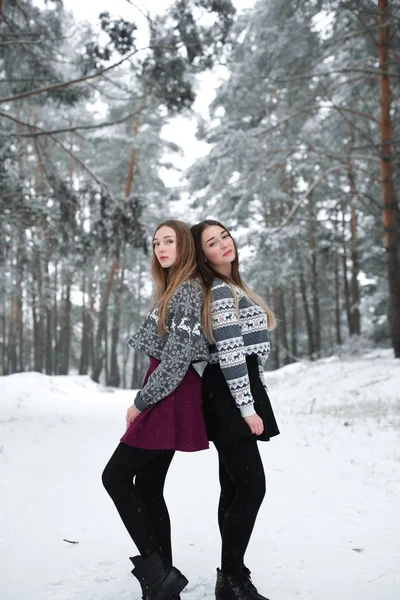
242,480
141,504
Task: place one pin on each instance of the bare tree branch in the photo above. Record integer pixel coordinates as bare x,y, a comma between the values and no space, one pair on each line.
65,84
354,112
41,132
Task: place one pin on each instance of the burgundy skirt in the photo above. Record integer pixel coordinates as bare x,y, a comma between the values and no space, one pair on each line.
174,423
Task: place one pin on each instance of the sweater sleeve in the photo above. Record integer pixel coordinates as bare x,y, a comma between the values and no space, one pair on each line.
177,353
230,346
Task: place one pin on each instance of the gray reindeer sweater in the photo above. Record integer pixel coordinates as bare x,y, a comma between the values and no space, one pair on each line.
236,338
182,344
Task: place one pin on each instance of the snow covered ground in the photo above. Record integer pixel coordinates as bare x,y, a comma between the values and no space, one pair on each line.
329,528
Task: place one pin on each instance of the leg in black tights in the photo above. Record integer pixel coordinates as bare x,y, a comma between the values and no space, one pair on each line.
243,468
149,483
147,524
227,494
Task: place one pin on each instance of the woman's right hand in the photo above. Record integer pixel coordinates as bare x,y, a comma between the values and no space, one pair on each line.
255,424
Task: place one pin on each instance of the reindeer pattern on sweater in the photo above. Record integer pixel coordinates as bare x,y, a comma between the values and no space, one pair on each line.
181,345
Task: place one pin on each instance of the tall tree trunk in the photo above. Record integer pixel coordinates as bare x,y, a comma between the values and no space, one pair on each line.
65,328
314,276
279,309
13,336
126,352
3,300
15,320
354,287
337,279
307,314
345,275
99,352
276,346
389,212
106,349
136,379
337,301
115,377
294,320
38,315
20,282
85,341
55,320
49,349
92,302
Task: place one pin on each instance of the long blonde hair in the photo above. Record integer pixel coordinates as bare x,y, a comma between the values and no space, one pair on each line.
184,268
208,274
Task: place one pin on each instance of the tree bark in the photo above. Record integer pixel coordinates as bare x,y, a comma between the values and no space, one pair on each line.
279,309
99,352
389,212
294,320
38,310
337,302
307,314
55,320
115,377
314,277
65,328
354,287
345,275
276,346
49,348
85,341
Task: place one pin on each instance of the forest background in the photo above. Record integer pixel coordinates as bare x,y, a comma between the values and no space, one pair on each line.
300,157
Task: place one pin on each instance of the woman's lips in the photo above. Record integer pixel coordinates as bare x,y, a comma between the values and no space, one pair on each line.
163,257
226,253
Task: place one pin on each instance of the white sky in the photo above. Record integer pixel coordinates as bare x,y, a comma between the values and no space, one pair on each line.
90,11
181,130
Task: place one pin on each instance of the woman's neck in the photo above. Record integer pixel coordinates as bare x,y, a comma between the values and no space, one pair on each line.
225,270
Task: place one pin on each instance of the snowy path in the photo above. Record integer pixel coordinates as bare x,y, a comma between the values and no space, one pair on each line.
329,528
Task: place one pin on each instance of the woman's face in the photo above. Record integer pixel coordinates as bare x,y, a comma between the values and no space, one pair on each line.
164,246
218,247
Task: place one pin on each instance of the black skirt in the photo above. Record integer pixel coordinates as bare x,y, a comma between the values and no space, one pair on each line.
224,422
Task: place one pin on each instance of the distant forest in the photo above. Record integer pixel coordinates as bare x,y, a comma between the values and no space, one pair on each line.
303,167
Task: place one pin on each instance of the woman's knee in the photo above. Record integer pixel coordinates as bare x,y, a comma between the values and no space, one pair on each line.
108,477
114,477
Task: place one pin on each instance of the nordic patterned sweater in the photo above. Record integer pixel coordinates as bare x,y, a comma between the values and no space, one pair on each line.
237,338
182,344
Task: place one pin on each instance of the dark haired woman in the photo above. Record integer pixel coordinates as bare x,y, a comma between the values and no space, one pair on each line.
236,406
166,414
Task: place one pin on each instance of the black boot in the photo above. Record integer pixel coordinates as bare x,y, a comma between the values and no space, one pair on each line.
158,579
229,587
250,585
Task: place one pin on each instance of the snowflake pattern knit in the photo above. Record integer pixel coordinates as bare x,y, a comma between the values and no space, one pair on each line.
237,336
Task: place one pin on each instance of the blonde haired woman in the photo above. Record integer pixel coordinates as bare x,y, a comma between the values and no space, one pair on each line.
166,415
236,406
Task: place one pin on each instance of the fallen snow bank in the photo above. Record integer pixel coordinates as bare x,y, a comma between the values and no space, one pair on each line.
328,529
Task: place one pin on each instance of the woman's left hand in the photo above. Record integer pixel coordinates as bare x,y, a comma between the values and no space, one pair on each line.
131,415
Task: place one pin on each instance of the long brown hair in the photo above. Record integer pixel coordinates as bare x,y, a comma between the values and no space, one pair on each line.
208,274
167,280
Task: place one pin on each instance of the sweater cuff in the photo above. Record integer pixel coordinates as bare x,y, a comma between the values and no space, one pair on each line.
139,403
248,410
